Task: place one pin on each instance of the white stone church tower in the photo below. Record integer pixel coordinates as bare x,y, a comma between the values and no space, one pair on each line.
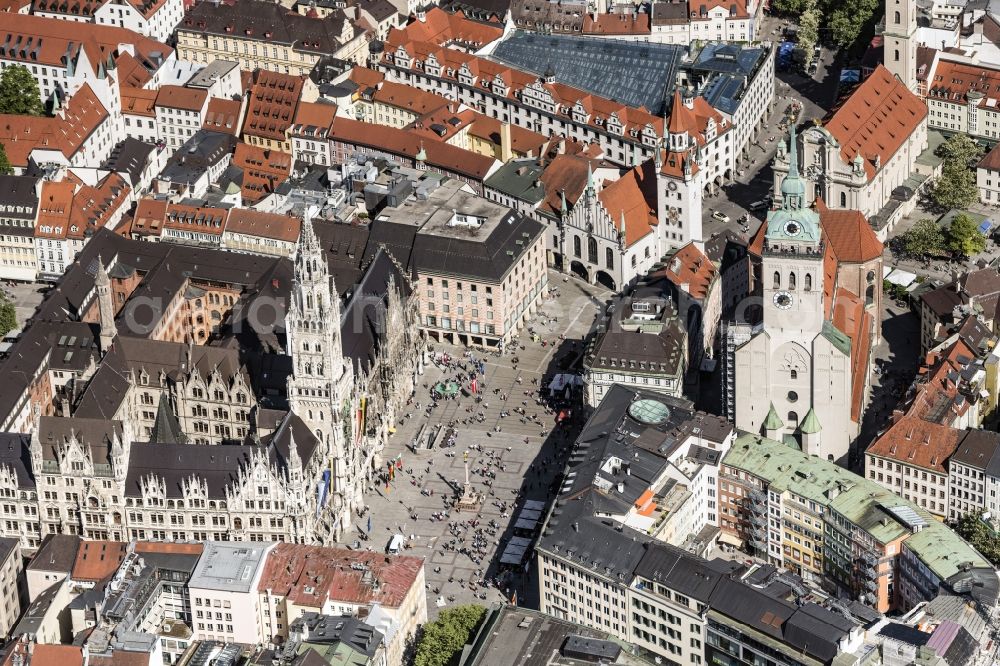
900,41
793,377
319,389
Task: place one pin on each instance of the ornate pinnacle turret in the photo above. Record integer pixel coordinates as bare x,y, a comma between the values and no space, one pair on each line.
106,307
307,235
793,190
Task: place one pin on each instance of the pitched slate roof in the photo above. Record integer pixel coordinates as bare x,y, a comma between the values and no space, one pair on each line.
266,22
166,428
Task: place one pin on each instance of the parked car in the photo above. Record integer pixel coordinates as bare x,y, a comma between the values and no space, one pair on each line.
759,205
720,216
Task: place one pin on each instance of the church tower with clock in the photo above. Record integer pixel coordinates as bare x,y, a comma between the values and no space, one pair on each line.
792,261
793,377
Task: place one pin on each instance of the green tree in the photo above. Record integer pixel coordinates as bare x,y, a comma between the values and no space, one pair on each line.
792,6
960,150
8,316
956,188
5,168
846,19
964,236
19,92
809,30
444,638
924,237
972,528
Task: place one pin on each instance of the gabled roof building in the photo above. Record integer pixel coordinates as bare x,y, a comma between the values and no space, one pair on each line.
866,149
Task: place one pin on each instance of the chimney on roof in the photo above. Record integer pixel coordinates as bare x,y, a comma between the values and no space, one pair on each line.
506,153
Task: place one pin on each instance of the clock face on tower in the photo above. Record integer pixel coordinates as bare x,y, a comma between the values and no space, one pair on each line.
792,228
782,300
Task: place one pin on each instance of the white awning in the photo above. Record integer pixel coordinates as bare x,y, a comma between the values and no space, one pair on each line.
730,539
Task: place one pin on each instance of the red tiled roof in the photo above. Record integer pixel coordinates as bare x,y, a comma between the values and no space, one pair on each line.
138,101
522,140
849,234
991,160
453,62
740,6
179,97
756,245
97,560
406,143
63,655
440,27
169,548
265,225
274,98
851,318
54,36
409,98
22,134
93,206
202,219
223,115
291,569
936,396
146,7
953,81
131,72
919,443
315,117
616,24
443,123
690,266
565,174
54,208
14,6
263,170
633,196
366,77
149,216
878,118
695,120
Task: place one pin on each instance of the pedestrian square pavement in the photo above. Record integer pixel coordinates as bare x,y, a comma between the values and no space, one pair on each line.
522,453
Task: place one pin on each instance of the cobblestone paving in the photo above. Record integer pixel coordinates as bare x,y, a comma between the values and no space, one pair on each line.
521,446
